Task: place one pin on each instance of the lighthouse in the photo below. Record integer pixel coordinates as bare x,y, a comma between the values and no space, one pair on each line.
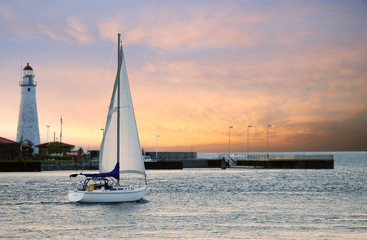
28,130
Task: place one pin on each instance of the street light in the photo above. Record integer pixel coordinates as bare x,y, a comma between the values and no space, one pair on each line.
156,146
229,148
102,129
48,126
248,142
267,141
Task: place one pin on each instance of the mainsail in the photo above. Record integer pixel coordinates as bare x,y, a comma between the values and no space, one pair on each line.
130,154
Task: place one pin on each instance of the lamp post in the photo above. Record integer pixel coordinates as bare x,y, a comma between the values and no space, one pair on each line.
248,141
229,135
267,141
48,126
156,146
102,129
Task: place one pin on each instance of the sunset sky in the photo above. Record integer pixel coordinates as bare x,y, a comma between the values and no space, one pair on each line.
195,68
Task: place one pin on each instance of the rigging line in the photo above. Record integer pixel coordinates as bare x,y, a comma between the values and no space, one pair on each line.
108,70
108,76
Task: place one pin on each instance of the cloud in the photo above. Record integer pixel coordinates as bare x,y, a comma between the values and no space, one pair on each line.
78,30
329,135
168,29
24,25
108,29
197,68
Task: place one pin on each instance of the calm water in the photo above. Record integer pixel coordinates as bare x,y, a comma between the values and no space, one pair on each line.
197,204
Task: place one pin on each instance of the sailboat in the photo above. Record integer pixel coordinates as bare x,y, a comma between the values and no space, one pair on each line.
120,152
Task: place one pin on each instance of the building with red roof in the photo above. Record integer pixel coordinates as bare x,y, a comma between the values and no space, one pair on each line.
54,147
10,149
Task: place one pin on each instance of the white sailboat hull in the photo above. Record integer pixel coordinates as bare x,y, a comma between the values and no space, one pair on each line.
122,194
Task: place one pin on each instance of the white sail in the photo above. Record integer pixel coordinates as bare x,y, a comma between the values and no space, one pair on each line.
130,151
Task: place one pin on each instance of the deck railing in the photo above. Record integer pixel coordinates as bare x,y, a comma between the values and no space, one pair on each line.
277,156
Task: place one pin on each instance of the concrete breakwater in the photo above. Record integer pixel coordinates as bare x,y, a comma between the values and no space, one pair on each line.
69,166
258,161
20,166
289,161
263,161
79,167
171,164
288,164
94,166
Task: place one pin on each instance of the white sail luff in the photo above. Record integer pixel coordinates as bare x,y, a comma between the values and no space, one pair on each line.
108,151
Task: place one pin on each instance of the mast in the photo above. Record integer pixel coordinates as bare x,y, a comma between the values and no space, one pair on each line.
118,103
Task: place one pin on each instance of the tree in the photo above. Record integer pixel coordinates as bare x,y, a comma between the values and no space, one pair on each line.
53,147
30,144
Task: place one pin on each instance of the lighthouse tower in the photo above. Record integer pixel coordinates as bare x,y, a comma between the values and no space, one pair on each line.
28,130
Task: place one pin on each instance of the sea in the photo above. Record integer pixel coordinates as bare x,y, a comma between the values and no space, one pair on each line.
197,204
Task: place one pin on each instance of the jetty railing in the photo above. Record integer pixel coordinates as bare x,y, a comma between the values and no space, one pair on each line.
229,159
264,157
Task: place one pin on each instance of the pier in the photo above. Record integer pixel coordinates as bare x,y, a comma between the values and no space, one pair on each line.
164,165
256,161
289,161
225,161
20,166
